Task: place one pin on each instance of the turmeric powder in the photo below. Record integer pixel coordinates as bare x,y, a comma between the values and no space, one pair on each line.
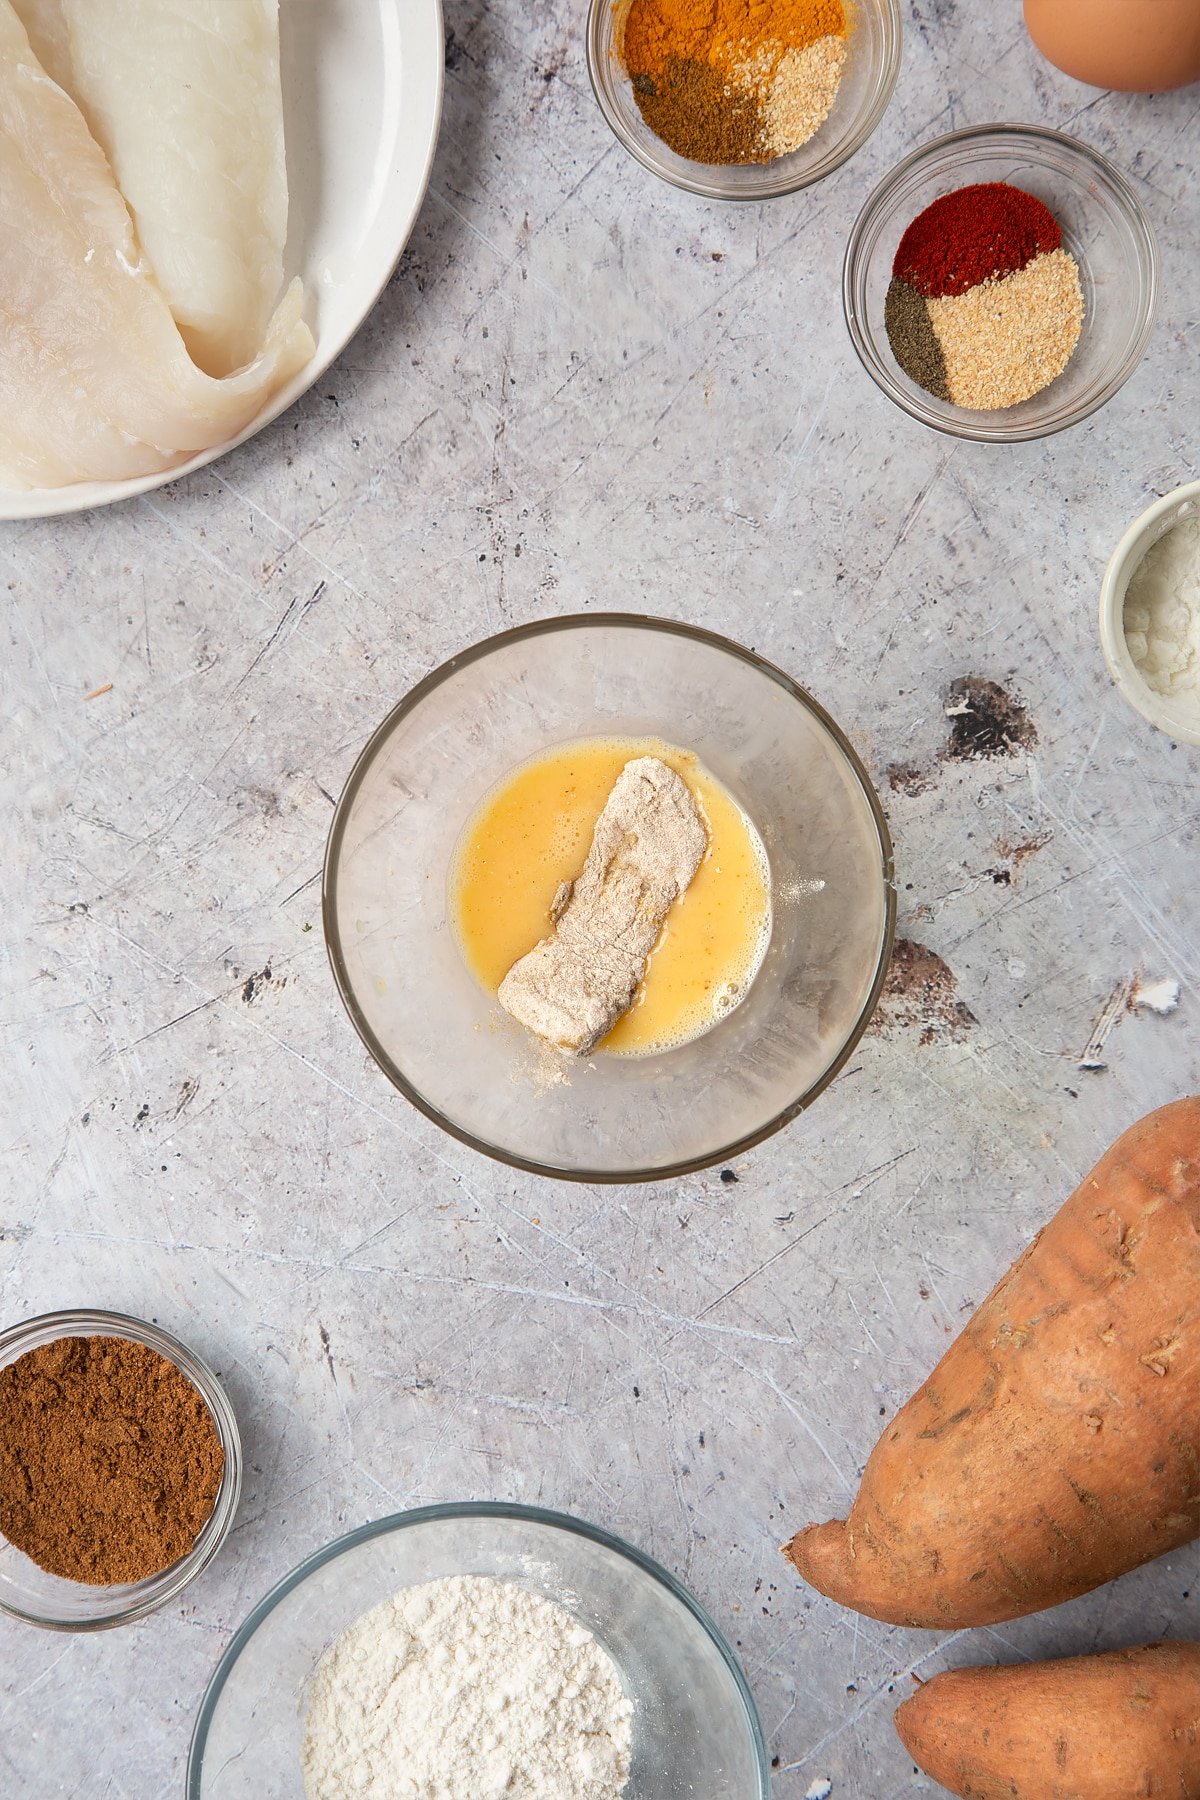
734,80
723,31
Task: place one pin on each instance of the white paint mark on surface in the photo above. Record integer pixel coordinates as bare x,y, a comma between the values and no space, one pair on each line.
1157,996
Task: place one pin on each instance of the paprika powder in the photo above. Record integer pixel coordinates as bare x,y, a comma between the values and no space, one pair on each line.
977,233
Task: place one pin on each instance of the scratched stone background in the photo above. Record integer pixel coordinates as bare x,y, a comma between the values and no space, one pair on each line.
583,389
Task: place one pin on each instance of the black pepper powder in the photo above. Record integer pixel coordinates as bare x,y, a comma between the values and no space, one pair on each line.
913,339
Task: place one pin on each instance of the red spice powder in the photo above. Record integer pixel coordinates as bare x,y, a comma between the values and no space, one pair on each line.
975,234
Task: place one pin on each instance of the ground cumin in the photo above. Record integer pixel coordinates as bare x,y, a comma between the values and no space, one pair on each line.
110,1462
688,108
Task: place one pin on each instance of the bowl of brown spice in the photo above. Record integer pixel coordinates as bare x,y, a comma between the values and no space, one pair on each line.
743,99
120,1469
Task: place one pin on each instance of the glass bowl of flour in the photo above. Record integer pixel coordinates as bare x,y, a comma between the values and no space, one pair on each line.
478,1652
441,1036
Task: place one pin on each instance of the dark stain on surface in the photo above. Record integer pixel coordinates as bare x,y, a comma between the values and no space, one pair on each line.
188,1089
254,984
921,995
985,721
1014,856
1021,851
328,1352
143,1113
729,1177
906,778
266,800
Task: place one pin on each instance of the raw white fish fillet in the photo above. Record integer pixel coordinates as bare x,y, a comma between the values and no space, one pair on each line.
95,380
184,98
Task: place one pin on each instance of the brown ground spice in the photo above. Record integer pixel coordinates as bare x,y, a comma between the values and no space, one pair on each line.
110,1462
690,107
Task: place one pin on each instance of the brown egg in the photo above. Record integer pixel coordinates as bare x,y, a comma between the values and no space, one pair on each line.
1140,46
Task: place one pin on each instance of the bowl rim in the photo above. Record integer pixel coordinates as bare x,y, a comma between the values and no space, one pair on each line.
1011,132
711,188
421,692
1119,571
464,1509
155,1590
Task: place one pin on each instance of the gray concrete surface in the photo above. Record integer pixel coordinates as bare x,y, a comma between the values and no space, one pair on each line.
582,390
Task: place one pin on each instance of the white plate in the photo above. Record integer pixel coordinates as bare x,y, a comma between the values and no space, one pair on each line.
362,98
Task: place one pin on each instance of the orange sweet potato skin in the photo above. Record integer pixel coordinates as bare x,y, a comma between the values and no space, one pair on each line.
1123,1726
1057,1443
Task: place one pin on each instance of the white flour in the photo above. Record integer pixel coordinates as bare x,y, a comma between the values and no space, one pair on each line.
467,1689
1162,616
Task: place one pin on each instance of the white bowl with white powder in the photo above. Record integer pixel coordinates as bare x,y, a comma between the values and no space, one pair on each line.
1150,614
478,1652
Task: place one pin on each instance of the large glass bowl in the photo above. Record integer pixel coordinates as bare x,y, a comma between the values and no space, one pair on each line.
872,67
1103,227
444,1041
30,1593
696,1734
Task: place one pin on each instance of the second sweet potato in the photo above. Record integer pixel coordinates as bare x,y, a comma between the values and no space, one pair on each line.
1122,1726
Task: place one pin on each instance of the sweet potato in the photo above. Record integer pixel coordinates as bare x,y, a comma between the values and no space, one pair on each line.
1057,1443
1114,1727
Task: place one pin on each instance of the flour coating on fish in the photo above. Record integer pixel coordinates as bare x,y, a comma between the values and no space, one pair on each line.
648,843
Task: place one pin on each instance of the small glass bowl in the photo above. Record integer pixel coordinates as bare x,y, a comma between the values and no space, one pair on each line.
696,1734
445,1043
1103,227
1163,516
868,82
30,1593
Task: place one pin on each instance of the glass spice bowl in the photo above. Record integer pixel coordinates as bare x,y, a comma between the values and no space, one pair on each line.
1103,226
31,1593
868,82
696,1733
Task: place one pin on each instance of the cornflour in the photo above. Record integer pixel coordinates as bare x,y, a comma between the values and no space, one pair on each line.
467,1689
1162,616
